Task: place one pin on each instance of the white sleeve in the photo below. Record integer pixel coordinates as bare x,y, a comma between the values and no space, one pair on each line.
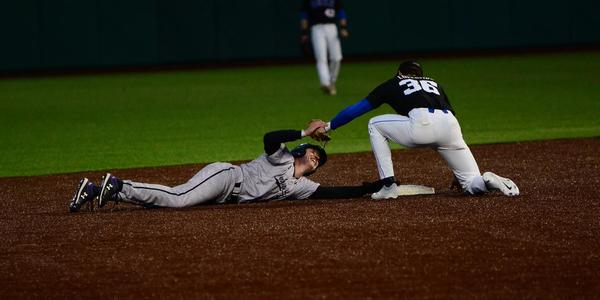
281,156
303,188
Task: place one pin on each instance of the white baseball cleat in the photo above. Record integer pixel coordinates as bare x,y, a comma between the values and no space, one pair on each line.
494,182
387,192
394,190
332,90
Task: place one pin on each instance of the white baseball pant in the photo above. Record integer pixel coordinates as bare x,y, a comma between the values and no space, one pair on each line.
425,127
325,40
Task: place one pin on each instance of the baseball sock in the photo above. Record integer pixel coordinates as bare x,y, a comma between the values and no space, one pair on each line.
97,190
388,181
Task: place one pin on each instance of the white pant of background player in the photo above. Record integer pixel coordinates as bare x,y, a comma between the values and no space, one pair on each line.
426,128
325,41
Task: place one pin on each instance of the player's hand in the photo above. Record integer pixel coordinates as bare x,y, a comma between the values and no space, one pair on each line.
319,133
313,126
344,33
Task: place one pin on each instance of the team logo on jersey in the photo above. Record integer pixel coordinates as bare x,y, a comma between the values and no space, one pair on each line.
281,183
330,12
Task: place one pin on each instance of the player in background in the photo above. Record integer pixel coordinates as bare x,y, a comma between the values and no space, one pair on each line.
277,174
424,118
321,17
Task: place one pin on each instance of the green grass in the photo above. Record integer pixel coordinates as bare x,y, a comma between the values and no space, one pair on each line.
67,124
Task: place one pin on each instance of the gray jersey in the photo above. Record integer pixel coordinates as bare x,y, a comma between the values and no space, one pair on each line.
271,177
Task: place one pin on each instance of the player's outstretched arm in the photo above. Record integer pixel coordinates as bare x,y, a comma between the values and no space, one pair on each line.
272,140
345,192
350,113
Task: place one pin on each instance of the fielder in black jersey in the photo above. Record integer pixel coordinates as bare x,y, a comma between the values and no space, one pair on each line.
321,17
322,11
404,93
424,118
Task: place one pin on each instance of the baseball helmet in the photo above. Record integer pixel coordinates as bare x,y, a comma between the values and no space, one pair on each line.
411,67
300,150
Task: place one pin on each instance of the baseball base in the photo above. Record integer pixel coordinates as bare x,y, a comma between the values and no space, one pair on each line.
413,189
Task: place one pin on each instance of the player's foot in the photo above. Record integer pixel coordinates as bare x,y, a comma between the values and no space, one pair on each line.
332,90
109,191
84,193
387,192
494,182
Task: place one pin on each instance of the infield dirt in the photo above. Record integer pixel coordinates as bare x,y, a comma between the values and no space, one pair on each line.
541,244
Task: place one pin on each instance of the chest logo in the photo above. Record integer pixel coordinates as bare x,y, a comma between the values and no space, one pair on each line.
281,183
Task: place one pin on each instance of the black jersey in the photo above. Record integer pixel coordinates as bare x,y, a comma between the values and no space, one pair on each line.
321,11
403,93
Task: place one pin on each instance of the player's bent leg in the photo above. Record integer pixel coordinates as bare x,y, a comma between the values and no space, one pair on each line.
334,70
381,151
452,147
320,50
381,129
323,71
335,53
462,163
214,182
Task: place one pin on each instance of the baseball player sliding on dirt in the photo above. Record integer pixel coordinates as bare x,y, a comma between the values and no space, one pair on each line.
277,174
424,118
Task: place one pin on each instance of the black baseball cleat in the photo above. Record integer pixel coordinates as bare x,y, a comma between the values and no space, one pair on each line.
109,191
494,182
83,194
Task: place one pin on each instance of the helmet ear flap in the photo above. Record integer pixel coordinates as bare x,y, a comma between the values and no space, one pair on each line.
300,151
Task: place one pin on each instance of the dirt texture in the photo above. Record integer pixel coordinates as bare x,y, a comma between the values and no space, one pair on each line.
541,244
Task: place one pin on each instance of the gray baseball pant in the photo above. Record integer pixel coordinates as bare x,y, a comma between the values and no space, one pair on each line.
215,182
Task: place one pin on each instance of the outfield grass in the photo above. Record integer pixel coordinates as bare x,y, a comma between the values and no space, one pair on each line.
67,124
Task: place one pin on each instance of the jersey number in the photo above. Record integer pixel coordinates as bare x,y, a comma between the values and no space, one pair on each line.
330,12
415,86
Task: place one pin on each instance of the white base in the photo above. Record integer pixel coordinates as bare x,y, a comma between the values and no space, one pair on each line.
412,189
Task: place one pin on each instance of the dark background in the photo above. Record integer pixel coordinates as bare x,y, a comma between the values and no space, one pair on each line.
71,34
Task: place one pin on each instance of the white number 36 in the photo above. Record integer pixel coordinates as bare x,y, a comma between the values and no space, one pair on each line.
415,86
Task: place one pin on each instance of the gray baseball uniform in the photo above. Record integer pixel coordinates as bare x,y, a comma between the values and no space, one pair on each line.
269,177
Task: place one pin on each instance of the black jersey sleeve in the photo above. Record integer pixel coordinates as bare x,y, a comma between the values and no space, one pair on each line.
345,192
381,93
445,96
272,140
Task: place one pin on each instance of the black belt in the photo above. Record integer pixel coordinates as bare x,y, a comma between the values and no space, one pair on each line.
432,110
235,194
